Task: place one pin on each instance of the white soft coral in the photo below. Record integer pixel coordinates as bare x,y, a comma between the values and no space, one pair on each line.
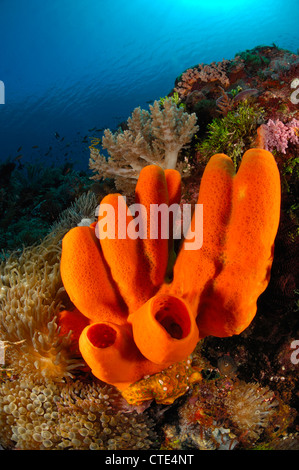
152,137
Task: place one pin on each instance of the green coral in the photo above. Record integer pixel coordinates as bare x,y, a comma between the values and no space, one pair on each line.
236,90
292,166
253,57
233,133
290,177
175,99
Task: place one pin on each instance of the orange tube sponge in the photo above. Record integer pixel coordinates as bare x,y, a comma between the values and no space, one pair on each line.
72,321
139,325
195,269
87,279
231,270
112,355
125,255
248,248
151,189
138,265
174,186
164,330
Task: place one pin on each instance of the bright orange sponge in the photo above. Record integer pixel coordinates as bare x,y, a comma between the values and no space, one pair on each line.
164,330
240,222
87,278
112,355
138,324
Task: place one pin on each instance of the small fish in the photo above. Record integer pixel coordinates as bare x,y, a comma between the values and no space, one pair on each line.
57,135
19,149
61,140
35,147
244,94
100,130
18,158
90,130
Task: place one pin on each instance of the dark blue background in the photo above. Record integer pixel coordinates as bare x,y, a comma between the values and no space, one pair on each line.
70,66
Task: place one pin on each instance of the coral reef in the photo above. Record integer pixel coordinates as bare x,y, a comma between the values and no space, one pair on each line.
237,392
217,284
227,414
215,72
154,137
39,384
32,197
233,133
277,135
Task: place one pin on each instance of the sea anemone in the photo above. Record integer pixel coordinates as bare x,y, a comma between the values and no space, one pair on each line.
31,298
250,406
70,416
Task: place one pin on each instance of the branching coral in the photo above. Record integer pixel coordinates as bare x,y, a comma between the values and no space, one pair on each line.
204,73
154,137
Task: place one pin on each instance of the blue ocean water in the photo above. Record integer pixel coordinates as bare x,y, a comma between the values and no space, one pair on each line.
73,67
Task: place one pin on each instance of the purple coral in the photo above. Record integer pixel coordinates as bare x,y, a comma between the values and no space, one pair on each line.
278,135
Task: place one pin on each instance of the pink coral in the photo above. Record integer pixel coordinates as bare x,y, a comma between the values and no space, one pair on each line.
278,135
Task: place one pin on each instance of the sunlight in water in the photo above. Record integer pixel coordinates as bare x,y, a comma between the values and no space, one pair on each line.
215,5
